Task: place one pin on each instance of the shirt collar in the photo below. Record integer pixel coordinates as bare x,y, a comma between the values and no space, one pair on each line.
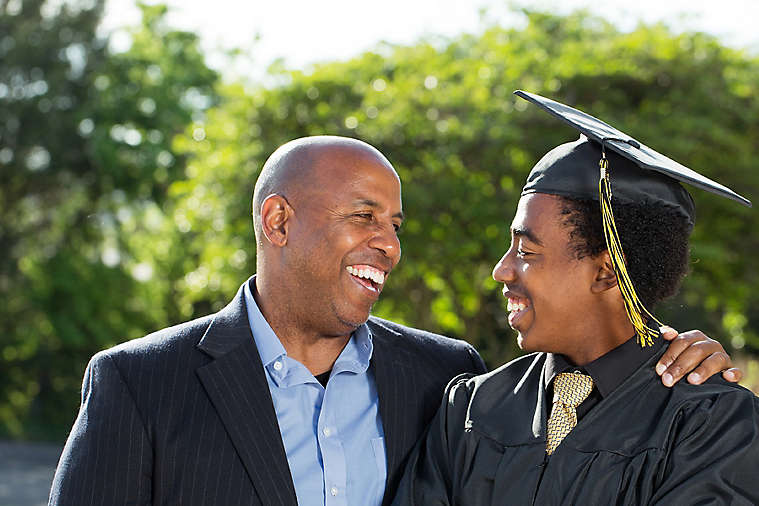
609,370
269,346
357,354
355,357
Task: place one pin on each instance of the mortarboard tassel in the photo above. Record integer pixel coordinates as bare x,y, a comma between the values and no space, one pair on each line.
634,307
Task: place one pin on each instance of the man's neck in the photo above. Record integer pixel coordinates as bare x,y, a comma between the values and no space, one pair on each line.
318,355
316,351
600,340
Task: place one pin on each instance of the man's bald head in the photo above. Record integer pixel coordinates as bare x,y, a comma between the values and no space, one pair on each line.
292,168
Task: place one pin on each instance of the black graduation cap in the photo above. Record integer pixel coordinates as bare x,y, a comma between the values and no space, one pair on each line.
651,161
629,171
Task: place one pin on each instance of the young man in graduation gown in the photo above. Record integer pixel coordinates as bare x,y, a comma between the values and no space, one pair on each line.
600,234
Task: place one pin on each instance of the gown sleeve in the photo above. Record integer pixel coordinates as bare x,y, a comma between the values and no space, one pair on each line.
429,470
715,456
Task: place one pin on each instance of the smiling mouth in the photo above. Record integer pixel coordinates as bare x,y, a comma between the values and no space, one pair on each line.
517,307
367,276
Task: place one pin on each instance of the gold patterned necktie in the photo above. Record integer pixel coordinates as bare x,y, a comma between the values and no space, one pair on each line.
569,390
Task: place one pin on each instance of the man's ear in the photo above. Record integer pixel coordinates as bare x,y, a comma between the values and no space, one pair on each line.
275,215
605,277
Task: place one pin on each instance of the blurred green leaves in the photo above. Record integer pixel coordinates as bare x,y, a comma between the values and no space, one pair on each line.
139,215
86,154
444,114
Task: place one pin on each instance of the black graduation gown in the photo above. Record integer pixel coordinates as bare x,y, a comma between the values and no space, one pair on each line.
643,444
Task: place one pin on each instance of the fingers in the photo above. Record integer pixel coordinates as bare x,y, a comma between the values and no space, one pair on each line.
733,375
713,364
692,351
678,344
667,332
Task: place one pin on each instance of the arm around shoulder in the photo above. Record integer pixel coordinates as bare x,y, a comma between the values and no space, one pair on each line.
108,457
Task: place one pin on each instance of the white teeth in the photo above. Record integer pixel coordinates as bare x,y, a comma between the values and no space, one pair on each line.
375,275
516,306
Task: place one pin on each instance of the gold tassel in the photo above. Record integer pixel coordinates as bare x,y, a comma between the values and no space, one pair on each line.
633,305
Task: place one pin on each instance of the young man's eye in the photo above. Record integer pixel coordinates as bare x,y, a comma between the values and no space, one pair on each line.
522,253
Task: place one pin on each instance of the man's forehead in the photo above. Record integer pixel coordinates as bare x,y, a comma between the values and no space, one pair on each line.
358,197
356,189
536,215
524,213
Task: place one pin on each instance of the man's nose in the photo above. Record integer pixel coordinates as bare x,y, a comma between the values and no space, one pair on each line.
386,240
504,271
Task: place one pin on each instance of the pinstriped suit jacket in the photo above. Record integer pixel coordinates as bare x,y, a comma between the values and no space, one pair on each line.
184,415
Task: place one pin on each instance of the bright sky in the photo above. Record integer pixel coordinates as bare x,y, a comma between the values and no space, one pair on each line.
303,32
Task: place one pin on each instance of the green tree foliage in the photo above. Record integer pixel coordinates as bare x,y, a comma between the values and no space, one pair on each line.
157,229
86,156
444,114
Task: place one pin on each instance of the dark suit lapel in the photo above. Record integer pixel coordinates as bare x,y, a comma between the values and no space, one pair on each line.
393,377
236,384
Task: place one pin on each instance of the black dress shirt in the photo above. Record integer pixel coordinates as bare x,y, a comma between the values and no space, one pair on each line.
608,371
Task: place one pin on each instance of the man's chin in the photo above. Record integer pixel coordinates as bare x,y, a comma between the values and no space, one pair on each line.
354,319
523,342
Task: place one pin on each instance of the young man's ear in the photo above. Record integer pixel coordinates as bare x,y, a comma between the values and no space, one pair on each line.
275,214
605,278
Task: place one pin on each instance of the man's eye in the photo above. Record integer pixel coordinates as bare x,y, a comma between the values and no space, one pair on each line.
522,253
364,216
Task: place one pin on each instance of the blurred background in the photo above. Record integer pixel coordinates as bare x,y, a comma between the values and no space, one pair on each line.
131,135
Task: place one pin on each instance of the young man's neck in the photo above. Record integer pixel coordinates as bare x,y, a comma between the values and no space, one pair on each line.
604,337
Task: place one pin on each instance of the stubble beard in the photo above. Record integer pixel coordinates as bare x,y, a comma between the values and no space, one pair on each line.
351,325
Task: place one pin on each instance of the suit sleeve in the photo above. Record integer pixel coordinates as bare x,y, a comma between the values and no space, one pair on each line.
715,458
478,365
108,457
427,480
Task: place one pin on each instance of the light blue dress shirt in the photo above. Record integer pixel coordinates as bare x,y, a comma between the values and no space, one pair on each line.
333,436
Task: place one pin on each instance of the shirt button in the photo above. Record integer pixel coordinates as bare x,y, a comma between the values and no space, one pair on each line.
277,365
333,491
327,431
